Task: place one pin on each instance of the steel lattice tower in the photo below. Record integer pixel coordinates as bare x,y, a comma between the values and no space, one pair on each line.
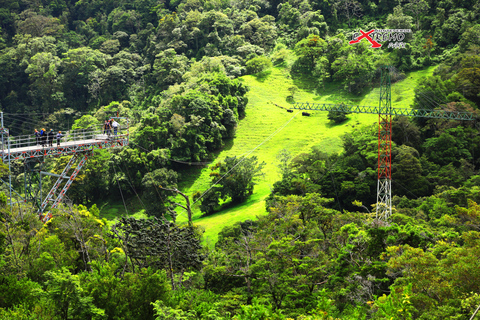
384,183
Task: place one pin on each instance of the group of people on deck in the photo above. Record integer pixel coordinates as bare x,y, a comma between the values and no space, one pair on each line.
45,138
108,125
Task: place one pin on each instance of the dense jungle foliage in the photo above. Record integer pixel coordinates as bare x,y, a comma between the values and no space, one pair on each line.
172,67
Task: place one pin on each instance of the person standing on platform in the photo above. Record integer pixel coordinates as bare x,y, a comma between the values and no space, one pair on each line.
37,136
107,127
51,136
43,137
59,136
115,127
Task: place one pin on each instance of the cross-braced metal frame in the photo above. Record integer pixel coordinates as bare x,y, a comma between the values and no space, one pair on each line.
51,196
33,180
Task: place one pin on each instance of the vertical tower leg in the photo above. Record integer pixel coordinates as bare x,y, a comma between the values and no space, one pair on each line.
384,184
33,180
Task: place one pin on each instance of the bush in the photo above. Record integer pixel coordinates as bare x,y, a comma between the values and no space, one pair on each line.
258,64
280,56
337,117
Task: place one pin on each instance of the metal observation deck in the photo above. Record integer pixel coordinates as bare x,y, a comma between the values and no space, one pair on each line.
32,153
27,147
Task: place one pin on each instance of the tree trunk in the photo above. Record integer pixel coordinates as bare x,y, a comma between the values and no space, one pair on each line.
187,206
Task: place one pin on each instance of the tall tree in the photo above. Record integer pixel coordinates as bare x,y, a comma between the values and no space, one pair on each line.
158,187
398,20
235,178
349,9
46,91
159,244
71,301
78,64
417,8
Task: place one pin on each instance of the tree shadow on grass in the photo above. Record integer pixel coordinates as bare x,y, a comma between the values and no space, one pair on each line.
228,144
290,99
333,91
229,204
189,174
349,121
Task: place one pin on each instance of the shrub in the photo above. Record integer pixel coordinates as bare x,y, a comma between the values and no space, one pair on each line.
258,64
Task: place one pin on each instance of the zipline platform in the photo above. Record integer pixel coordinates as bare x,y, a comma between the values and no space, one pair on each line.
33,150
26,147
65,148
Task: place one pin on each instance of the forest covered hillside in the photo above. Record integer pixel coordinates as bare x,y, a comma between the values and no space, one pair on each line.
283,223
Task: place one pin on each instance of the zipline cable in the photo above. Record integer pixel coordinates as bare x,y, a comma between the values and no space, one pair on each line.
121,193
28,122
401,185
33,125
154,184
191,163
128,180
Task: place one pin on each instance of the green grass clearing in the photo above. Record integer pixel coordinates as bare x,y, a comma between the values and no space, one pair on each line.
112,211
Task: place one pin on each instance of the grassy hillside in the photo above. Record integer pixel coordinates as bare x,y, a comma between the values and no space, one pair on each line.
300,135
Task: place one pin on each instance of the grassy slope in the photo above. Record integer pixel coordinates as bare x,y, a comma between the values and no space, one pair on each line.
300,135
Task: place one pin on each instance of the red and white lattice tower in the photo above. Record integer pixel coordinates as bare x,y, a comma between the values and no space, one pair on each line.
384,184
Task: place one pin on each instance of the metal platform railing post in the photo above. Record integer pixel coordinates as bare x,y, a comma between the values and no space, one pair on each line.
9,171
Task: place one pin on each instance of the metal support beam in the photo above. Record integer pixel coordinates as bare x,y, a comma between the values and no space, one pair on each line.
60,179
70,180
417,113
67,148
52,174
9,186
77,169
75,143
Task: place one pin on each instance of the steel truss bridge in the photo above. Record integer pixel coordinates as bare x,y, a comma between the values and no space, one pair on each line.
78,145
421,113
385,113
